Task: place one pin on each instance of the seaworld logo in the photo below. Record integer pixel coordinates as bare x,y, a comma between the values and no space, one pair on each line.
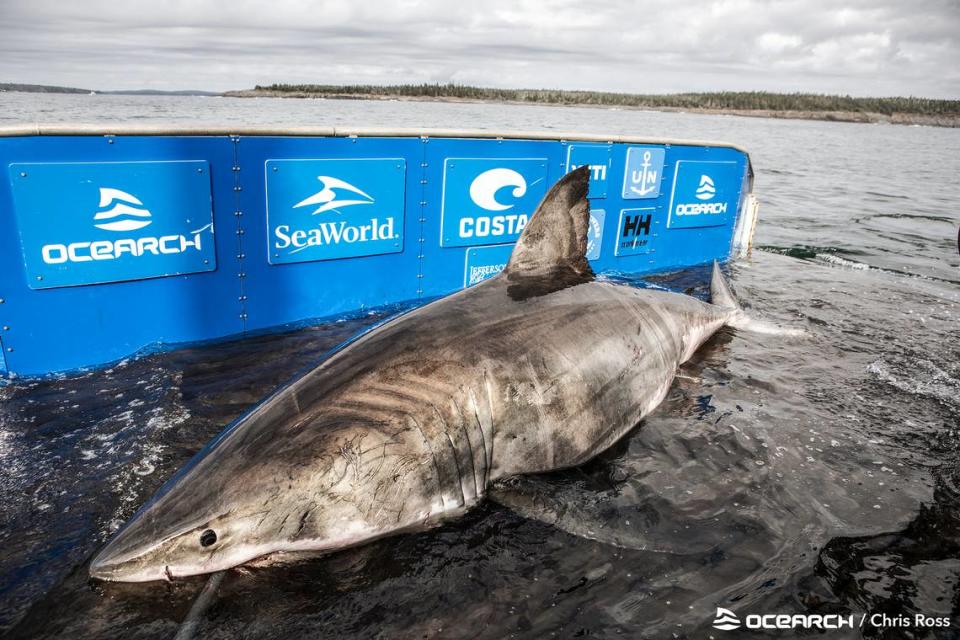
335,195
120,211
328,199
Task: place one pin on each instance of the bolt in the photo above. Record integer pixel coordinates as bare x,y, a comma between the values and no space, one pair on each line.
199,169
109,140
23,174
6,328
206,262
276,169
2,300
238,213
39,277
10,349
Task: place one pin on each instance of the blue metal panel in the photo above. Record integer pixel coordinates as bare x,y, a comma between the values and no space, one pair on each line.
705,194
653,207
277,294
489,200
80,223
532,166
329,209
643,173
62,329
597,157
483,263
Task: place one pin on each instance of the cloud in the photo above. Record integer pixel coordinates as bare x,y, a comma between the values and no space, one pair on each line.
861,47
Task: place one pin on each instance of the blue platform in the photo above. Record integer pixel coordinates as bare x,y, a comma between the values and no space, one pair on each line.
116,241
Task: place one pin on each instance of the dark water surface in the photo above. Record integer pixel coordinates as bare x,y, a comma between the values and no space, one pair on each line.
810,475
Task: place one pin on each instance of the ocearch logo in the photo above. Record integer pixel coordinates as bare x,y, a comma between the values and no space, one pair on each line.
120,211
726,620
126,214
706,190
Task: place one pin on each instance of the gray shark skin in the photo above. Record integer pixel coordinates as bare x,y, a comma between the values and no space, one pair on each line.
540,368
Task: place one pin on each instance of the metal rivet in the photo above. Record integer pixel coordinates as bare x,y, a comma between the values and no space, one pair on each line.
109,140
276,169
2,300
39,277
199,169
6,328
23,174
206,262
10,349
238,213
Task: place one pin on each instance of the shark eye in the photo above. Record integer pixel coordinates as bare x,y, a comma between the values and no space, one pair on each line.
208,537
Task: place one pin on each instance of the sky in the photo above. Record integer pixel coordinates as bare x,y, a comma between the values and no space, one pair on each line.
856,47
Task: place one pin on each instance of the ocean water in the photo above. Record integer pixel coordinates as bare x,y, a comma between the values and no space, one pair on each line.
814,475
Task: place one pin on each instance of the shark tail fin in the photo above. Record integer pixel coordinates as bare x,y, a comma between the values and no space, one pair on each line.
722,296
720,293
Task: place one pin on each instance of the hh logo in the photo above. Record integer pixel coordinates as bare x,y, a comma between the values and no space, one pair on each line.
126,214
489,200
358,210
636,231
726,620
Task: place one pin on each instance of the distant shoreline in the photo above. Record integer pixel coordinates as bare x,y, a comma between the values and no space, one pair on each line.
751,104
791,114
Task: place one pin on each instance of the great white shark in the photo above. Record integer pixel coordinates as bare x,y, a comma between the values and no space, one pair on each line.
539,368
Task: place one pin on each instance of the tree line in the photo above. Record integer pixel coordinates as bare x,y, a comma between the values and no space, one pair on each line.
726,100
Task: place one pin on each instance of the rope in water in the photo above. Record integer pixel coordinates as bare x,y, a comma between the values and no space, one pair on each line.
189,625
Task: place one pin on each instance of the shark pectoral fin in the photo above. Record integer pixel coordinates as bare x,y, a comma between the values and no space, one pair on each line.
722,296
551,253
581,512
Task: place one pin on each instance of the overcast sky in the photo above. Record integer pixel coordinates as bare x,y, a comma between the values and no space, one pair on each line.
861,47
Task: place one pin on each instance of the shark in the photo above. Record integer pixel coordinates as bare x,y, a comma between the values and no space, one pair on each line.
539,368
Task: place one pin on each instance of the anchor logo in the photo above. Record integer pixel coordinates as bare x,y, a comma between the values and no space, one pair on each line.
643,172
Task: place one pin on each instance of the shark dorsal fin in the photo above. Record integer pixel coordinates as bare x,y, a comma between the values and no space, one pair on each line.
551,251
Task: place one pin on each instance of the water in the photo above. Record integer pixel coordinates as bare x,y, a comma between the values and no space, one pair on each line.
815,475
